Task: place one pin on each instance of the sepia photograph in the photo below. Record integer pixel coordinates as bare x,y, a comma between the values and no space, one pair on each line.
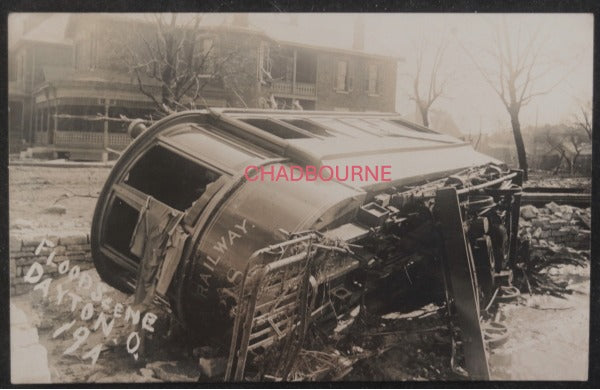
299,197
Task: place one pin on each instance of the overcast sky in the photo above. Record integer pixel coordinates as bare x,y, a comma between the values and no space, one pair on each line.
473,104
568,46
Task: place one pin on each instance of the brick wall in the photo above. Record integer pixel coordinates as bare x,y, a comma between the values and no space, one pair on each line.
357,99
49,251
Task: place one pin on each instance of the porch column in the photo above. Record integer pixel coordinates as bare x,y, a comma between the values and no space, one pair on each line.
47,124
294,72
36,115
105,148
55,123
41,123
25,132
52,132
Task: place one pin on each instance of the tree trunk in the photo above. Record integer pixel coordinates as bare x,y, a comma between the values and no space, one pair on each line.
574,162
425,116
521,154
571,167
559,163
568,164
575,158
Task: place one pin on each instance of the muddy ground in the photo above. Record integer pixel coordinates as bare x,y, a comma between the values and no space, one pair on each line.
548,336
33,190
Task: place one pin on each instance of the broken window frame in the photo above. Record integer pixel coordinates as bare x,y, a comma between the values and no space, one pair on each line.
184,158
135,198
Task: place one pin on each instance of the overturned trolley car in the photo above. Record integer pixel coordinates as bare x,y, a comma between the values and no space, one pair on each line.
249,262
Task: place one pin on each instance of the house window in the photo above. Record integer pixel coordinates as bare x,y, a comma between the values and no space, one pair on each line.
343,81
372,81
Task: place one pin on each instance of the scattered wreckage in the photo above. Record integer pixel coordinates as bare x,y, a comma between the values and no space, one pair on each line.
248,266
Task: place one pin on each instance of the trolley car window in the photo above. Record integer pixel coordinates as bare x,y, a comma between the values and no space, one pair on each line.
308,126
120,224
275,128
341,127
170,178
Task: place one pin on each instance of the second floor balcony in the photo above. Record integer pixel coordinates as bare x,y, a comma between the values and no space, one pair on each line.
294,89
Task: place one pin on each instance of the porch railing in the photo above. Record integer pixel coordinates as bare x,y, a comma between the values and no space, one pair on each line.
305,89
299,89
93,140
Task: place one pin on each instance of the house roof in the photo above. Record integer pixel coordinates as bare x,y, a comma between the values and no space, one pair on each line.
52,73
51,30
277,27
327,37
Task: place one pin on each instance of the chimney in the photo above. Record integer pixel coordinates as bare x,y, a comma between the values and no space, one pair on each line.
359,33
240,20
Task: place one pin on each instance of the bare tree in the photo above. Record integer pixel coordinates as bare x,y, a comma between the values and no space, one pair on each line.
515,76
577,143
583,119
556,144
568,142
174,60
428,85
577,137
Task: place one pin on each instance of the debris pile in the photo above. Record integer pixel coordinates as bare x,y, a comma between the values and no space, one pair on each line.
559,182
416,345
555,236
413,345
554,225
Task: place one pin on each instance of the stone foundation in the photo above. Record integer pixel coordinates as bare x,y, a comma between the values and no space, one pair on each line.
49,251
